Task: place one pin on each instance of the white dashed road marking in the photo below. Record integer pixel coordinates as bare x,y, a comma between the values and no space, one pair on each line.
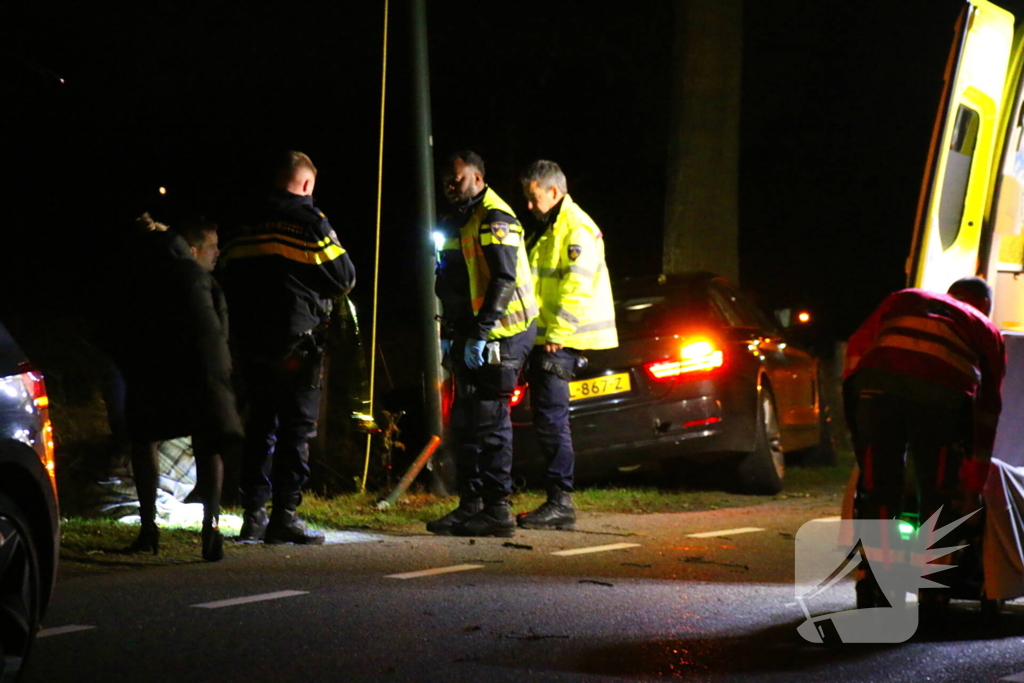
250,598
435,572
61,630
1015,678
596,549
725,532
827,519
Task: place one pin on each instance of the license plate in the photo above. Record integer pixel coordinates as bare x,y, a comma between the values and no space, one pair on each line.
599,386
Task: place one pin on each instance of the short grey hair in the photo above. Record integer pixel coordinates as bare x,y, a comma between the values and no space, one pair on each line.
546,174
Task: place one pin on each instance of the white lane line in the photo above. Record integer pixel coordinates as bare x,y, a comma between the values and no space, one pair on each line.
828,519
61,630
725,532
596,549
435,571
249,598
1015,678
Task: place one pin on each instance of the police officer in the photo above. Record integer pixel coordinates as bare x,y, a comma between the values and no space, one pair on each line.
577,313
489,312
282,274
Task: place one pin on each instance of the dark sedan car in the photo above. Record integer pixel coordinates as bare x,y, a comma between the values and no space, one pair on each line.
699,374
29,532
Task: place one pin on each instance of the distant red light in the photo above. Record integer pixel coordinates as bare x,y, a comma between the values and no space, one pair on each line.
517,396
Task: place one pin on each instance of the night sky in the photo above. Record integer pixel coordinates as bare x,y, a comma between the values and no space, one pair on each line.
838,104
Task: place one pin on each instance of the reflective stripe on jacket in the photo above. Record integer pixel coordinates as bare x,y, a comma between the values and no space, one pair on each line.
492,230
572,283
281,274
937,338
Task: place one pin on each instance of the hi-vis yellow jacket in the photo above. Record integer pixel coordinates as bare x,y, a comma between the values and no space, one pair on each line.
572,283
489,247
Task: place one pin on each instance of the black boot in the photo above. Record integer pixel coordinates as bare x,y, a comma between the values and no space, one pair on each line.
495,519
870,595
213,541
286,527
148,540
556,512
467,508
254,525
933,607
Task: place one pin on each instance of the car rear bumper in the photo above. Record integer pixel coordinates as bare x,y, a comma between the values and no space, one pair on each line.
698,425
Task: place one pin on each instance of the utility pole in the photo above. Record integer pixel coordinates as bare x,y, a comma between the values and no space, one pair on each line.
442,467
702,195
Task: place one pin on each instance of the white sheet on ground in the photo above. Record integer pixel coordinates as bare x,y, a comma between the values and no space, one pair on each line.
1004,531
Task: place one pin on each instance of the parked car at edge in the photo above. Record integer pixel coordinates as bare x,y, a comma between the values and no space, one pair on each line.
29,519
700,375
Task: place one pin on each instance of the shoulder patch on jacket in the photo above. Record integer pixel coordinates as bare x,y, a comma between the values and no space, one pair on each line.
574,251
499,230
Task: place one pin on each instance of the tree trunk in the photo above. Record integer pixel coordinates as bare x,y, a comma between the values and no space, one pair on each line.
701,205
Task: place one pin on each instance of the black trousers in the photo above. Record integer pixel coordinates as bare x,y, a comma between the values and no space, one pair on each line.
894,418
284,404
480,421
549,397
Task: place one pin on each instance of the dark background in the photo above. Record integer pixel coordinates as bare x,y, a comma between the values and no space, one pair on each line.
838,103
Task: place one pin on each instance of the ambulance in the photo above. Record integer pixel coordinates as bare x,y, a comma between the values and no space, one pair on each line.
970,217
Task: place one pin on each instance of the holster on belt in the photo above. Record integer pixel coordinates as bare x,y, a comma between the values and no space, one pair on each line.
557,370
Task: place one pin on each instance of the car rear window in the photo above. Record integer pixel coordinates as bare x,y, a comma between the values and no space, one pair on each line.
642,315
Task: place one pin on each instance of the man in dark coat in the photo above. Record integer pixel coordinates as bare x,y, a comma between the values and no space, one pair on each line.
167,332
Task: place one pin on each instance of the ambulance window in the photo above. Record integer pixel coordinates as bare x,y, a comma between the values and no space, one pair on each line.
958,171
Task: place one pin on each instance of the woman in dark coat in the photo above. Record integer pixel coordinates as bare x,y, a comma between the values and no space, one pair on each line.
168,334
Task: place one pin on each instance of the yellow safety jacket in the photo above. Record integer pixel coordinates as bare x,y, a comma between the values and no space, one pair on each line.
492,230
572,283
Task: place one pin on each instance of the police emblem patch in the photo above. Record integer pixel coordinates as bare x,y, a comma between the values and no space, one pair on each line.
499,230
574,251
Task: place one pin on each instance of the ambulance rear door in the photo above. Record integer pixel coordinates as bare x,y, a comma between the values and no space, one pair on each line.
959,179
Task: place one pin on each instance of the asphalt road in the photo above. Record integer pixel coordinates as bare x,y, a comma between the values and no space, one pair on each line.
658,604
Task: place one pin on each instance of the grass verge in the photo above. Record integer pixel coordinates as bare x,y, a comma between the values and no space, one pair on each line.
91,546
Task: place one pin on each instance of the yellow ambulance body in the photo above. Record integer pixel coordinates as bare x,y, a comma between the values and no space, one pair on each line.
971,213
970,217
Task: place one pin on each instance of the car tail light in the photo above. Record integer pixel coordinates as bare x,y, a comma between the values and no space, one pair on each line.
704,422
517,395
696,355
36,388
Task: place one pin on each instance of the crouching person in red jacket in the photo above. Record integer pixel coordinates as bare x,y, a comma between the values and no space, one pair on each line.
923,375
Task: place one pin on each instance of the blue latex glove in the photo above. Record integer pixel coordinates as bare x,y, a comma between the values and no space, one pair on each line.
446,347
474,354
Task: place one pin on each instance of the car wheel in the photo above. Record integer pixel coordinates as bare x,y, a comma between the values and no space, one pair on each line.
20,590
761,471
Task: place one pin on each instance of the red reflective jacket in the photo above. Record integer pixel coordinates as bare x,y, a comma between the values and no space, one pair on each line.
935,337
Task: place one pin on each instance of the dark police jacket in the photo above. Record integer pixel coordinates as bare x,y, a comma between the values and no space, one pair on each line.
281,274
463,316
166,329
